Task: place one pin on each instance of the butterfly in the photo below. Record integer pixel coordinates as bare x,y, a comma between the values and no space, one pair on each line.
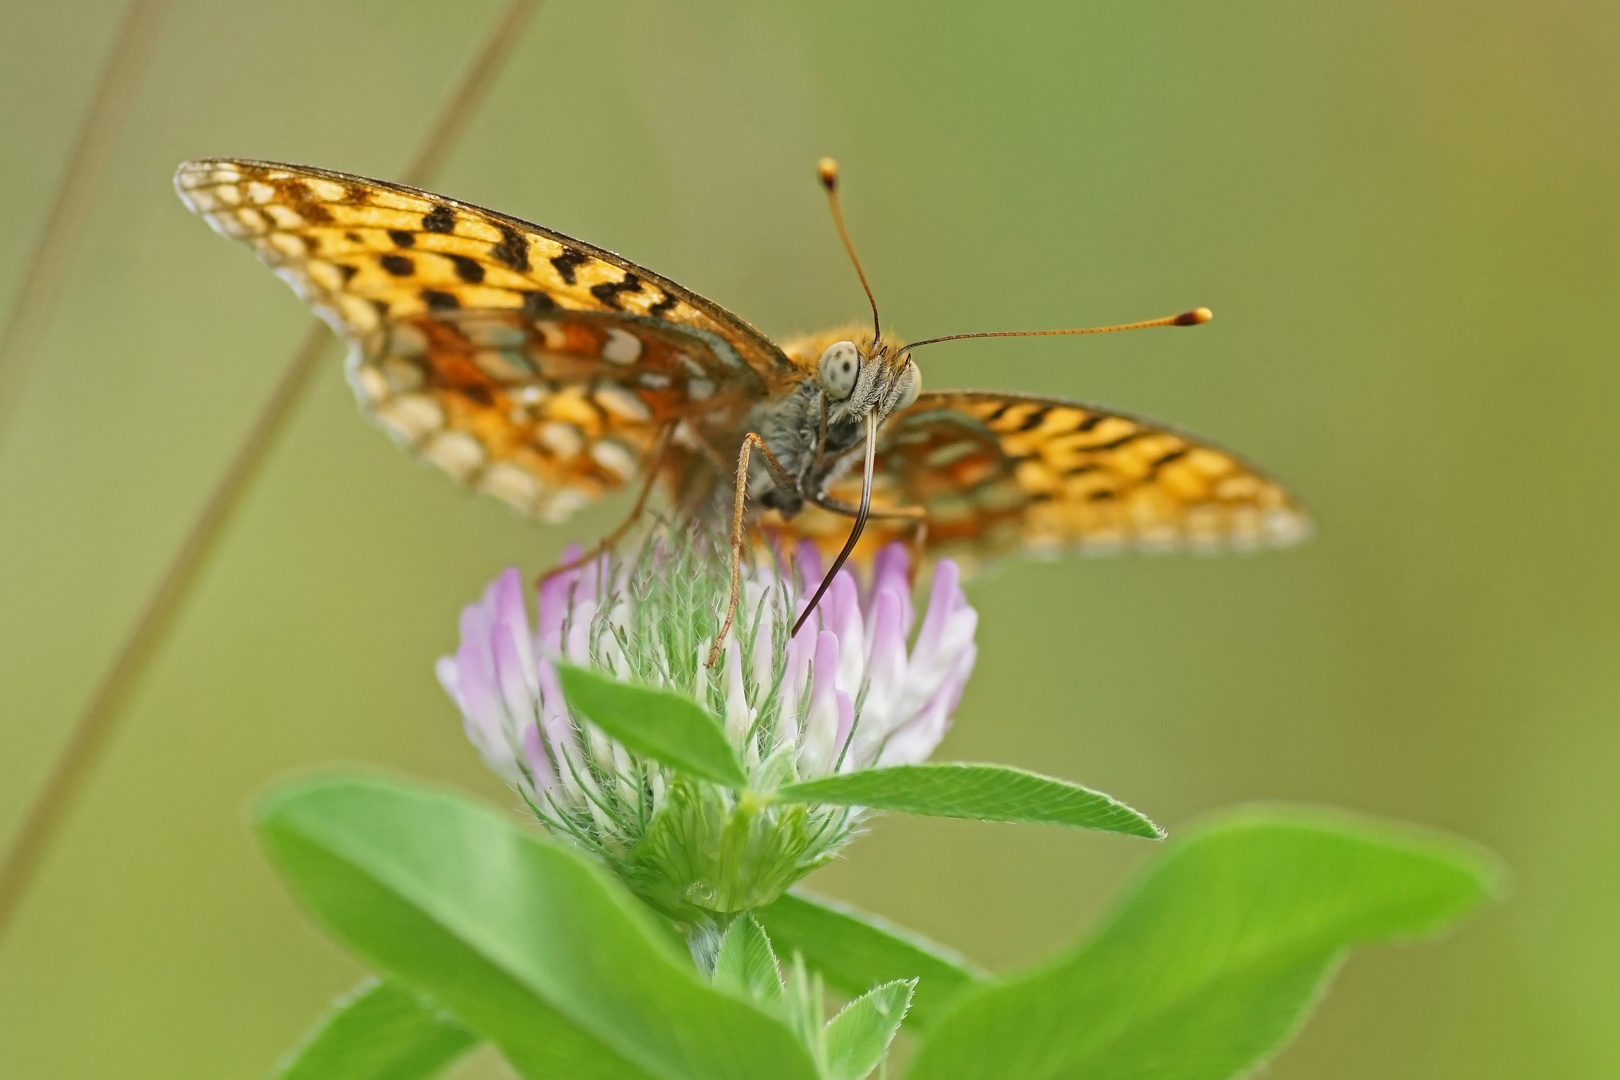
547,372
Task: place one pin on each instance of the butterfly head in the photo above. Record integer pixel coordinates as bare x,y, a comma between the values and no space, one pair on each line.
863,377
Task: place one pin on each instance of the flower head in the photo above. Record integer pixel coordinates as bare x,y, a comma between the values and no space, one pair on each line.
862,684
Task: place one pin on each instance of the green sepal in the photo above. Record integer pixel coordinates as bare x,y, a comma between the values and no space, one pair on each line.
855,951
746,966
859,1036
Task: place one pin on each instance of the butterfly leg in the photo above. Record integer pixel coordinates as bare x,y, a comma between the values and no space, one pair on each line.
919,545
739,505
612,538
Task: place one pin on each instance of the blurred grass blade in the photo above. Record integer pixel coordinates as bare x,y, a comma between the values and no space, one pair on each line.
96,724
859,1036
855,951
526,942
664,726
986,792
380,1031
35,302
1212,962
469,91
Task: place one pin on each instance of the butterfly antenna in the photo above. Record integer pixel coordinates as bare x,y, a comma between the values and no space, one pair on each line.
860,522
1186,318
827,169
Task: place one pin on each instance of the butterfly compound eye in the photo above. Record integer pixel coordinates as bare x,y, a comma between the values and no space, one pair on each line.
840,366
910,385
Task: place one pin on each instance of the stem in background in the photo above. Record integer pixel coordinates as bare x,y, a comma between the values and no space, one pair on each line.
469,93
42,279
99,720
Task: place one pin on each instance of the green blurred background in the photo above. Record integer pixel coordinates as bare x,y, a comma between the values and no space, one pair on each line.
1405,216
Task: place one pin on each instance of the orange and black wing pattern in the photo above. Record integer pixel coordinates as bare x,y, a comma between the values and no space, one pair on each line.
524,362
1011,473
547,414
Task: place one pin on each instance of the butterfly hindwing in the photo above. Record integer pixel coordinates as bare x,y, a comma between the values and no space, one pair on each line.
1001,473
545,413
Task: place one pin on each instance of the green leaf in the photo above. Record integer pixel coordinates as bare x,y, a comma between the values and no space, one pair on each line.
989,792
664,726
855,951
378,1031
858,1037
528,943
746,965
1211,963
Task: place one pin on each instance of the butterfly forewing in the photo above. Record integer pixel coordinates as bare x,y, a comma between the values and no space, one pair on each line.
1001,473
520,360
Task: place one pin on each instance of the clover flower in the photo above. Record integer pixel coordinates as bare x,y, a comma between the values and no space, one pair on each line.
854,689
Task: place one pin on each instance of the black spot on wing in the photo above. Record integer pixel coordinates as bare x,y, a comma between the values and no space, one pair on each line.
666,303
398,265
401,238
512,251
298,195
1163,460
441,220
569,262
1032,421
608,291
1117,443
469,270
347,271
536,303
439,301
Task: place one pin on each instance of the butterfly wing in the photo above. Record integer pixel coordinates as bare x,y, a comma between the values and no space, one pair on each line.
522,361
547,414
1003,473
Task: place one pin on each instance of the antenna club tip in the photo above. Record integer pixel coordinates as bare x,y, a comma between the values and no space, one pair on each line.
1194,317
827,169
